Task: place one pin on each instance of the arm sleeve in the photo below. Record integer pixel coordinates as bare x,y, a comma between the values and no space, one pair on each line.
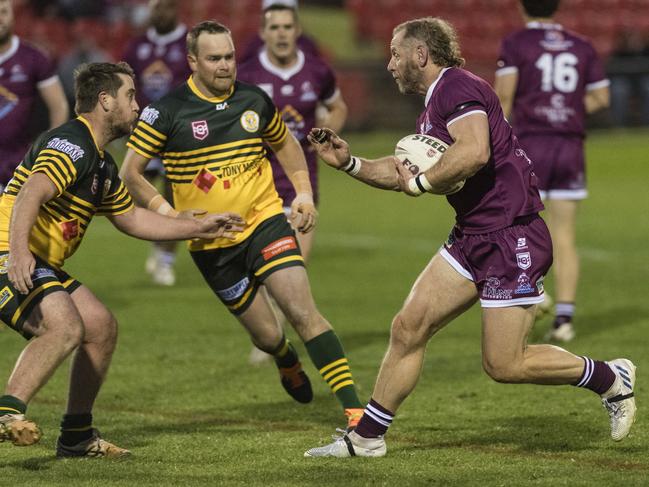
275,131
459,100
329,86
45,70
507,62
150,135
595,74
61,167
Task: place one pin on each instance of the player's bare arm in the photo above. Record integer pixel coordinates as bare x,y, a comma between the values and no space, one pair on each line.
56,102
37,190
149,225
336,114
379,173
291,157
597,99
469,152
505,88
132,173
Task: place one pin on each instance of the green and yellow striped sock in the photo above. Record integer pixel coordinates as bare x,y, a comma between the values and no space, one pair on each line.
11,405
328,356
285,354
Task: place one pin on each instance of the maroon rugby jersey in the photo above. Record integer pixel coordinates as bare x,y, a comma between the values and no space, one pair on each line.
505,188
23,69
159,62
555,69
296,92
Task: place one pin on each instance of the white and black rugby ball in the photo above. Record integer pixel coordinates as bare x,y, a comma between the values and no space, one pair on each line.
419,152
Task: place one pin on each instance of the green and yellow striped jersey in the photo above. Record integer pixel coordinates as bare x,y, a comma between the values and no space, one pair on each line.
213,152
87,183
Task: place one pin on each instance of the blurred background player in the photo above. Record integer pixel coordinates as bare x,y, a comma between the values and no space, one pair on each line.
257,44
25,72
549,79
299,83
159,59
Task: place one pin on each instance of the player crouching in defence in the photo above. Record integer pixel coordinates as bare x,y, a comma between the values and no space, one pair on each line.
64,180
498,252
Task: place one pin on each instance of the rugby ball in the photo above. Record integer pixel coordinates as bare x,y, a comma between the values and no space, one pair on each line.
419,152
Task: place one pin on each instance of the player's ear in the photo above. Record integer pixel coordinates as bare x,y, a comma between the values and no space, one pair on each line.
103,100
421,51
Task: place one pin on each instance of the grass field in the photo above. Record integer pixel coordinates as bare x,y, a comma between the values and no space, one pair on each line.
181,395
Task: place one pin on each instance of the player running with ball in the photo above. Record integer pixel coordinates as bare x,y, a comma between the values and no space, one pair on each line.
498,252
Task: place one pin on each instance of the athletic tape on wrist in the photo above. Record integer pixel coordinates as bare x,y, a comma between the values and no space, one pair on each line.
161,206
353,166
419,184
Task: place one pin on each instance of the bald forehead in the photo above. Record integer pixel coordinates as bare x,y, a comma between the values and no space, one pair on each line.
214,43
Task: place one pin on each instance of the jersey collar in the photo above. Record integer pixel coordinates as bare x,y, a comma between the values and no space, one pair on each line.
431,88
284,73
213,99
543,25
13,47
92,134
169,37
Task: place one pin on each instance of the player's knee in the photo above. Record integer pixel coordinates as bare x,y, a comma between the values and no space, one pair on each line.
502,371
407,331
70,334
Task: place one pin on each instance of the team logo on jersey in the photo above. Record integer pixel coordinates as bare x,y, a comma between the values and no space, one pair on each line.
250,121
149,115
200,129
95,184
287,90
5,296
4,259
524,260
106,187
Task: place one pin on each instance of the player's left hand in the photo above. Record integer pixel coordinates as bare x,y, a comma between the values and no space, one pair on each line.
403,178
303,213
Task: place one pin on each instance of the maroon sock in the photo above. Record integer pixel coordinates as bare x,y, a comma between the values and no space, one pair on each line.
597,376
375,421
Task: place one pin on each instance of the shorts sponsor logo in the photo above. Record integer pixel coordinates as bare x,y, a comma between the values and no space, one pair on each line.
149,115
521,243
4,259
234,292
250,121
5,296
524,260
200,129
278,247
492,290
524,285
42,272
539,285
70,229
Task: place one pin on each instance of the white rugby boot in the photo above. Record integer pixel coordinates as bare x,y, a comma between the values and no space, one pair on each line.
564,333
350,445
619,400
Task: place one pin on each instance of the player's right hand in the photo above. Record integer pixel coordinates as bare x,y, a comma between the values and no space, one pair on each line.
331,148
220,225
20,268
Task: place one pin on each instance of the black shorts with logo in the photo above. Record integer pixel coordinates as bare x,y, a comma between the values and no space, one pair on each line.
235,273
15,308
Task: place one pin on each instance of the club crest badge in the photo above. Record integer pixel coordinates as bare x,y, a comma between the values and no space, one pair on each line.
250,121
524,260
200,129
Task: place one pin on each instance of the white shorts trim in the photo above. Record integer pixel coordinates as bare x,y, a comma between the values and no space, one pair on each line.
455,264
506,303
466,115
564,194
506,70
